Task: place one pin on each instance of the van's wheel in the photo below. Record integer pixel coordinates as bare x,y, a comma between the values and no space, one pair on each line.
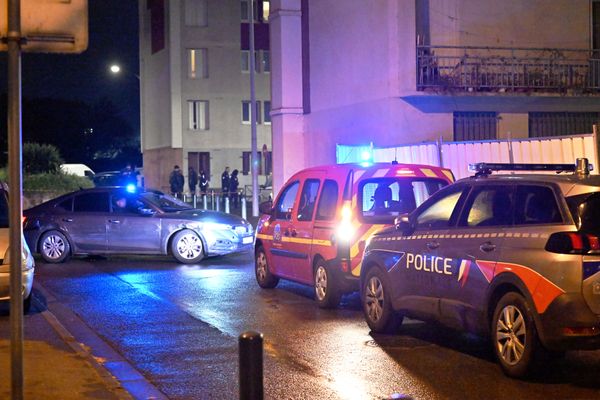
54,247
265,279
514,335
187,247
327,292
377,304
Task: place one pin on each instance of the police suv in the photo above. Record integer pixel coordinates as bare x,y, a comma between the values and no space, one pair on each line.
512,256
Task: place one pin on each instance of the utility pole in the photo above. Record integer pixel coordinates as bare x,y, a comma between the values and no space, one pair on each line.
15,164
253,145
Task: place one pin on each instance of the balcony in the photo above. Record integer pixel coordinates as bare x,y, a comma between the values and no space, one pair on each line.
451,69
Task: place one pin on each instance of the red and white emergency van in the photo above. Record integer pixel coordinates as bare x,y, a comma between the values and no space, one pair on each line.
315,230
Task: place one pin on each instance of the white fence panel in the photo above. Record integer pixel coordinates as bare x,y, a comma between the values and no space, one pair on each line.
458,155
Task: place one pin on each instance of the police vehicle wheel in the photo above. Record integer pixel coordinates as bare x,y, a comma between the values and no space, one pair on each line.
514,335
326,292
377,305
54,247
187,247
265,279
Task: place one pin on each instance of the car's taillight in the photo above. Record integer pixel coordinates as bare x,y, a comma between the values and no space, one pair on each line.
573,243
345,229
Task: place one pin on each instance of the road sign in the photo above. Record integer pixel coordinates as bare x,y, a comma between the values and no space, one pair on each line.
49,26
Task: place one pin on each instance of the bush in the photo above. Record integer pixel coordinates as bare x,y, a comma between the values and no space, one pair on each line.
57,182
41,158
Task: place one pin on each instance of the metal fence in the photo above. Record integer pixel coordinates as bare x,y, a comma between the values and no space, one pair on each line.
469,69
458,155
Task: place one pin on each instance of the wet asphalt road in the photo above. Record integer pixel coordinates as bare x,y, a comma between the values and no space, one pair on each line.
179,325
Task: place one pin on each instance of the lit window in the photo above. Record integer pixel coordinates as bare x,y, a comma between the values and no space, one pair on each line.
266,7
197,63
198,115
266,61
267,115
195,13
246,112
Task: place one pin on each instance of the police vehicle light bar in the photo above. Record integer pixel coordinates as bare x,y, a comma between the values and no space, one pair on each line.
486,168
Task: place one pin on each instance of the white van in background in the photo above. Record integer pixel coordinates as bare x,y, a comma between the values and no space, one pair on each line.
77,169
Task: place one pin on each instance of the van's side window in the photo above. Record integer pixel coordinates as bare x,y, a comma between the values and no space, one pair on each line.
536,205
308,199
328,201
285,204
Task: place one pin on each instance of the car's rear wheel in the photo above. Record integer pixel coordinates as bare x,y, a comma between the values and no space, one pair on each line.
377,305
187,247
264,277
54,247
327,293
514,335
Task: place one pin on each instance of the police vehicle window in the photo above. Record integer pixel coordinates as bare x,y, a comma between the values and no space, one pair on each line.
536,205
489,206
65,205
308,199
438,214
585,209
328,201
286,201
91,202
424,189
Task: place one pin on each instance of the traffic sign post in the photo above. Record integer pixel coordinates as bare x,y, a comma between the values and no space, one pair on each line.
49,26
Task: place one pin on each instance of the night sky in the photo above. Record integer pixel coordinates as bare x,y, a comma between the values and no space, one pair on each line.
113,38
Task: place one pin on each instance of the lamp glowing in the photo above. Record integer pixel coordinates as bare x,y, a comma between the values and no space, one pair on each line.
115,69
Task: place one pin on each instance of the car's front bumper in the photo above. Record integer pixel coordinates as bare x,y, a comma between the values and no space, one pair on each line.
569,324
26,282
227,242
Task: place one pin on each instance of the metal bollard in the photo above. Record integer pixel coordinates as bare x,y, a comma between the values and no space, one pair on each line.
244,207
227,205
251,365
218,203
204,201
194,200
185,198
212,201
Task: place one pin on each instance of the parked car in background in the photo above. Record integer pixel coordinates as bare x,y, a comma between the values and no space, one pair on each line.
27,262
316,231
514,256
118,220
77,169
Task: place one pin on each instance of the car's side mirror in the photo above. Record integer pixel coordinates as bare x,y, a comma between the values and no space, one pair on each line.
145,211
403,224
266,207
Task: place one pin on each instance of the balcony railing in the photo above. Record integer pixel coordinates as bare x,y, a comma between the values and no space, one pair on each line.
501,69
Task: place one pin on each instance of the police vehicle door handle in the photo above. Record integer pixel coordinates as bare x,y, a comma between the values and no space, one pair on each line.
487,247
433,245
68,219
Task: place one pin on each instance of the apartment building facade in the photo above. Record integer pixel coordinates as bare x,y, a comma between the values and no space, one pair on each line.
195,88
393,72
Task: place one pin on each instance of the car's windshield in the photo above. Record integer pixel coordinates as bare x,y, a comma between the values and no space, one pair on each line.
165,202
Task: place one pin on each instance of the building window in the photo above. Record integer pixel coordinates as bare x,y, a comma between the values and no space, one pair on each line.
264,160
596,27
266,10
198,115
543,124
197,63
267,114
245,10
195,12
246,112
246,61
475,126
265,61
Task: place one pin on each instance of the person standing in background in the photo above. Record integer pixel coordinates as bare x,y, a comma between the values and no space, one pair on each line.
176,182
192,180
203,183
233,188
225,183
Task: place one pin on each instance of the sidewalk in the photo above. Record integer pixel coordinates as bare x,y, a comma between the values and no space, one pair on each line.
58,366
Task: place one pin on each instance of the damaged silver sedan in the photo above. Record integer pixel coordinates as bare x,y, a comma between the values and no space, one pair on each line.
105,221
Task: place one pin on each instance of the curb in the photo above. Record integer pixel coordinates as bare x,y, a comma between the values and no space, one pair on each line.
118,374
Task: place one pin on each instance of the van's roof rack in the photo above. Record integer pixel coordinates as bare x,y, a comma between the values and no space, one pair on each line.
582,166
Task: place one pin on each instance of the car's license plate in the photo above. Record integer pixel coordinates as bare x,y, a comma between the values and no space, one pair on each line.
247,240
